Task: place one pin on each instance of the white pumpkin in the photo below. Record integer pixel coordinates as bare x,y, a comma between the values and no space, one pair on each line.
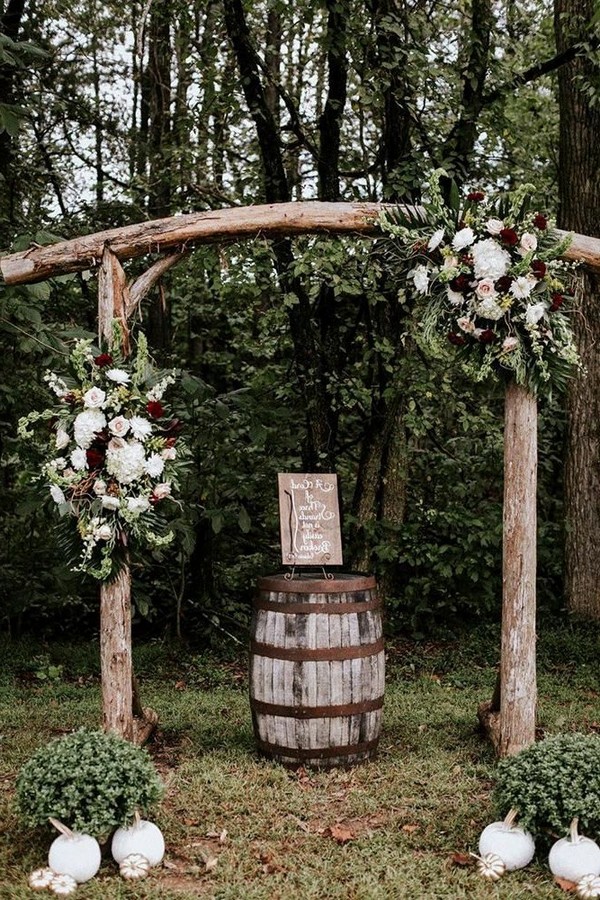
588,887
509,841
74,854
134,866
574,856
63,885
40,879
490,866
142,837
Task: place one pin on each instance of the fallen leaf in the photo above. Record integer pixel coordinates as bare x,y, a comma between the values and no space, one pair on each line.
211,864
167,864
409,829
340,833
462,859
180,686
191,822
569,887
223,836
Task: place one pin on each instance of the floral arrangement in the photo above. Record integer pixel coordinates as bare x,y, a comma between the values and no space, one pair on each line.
488,275
110,453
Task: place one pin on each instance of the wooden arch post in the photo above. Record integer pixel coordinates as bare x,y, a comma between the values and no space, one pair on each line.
511,714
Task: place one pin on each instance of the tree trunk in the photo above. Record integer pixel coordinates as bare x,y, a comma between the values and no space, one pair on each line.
115,655
518,690
579,193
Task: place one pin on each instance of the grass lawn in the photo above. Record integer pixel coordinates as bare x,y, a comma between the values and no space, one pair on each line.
237,826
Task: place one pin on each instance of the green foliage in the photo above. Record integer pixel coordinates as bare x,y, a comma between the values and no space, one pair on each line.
91,781
551,782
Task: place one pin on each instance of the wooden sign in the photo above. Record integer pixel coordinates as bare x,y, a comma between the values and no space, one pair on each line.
309,520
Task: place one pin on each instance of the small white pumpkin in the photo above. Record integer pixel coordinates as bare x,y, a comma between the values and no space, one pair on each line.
63,885
134,866
509,841
574,856
490,866
142,837
73,853
40,879
588,887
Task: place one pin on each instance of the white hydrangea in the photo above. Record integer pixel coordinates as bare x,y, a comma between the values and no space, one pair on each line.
125,460
489,309
490,260
87,425
155,465
141,428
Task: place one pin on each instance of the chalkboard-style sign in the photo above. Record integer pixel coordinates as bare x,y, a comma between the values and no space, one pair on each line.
309,520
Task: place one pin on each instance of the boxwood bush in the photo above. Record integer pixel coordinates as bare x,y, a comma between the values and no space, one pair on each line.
553,781
91,781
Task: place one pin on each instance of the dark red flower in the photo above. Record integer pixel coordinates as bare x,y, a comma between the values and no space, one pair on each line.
476,196
509,237
540,221
175,426
456,339
503,284
95,458
460,283
538,268
105,359
69,398
557,302
487,336
155,409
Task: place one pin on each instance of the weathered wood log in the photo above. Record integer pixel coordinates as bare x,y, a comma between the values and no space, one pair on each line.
518,688
115,655
142,286
182,233
113,296
317,670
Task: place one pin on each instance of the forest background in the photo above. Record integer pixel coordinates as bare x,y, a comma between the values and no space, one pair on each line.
298,355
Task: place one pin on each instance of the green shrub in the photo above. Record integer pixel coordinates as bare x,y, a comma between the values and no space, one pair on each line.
553,781
93,782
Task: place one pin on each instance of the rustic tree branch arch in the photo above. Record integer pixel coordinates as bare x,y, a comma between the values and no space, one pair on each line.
510,716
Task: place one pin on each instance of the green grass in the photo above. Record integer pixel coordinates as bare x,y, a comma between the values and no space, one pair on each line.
271,831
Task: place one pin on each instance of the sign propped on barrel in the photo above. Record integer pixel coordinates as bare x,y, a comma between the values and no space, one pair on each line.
309,520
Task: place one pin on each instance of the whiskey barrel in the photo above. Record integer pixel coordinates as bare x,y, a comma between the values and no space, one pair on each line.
317,670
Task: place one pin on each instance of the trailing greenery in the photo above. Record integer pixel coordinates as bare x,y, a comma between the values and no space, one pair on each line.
91,781
553,781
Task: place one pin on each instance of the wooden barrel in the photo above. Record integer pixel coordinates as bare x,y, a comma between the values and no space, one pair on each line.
317,670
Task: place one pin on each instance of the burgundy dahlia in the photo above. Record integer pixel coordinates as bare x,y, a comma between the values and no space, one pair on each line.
476,196
540,221
460,283
95,458
509,237
538,268
503,284
155,409
456,339
487,336
557,302
105,359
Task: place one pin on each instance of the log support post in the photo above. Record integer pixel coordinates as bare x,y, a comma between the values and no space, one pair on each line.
518,686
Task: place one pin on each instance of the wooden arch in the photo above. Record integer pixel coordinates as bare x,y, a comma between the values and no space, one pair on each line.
510,716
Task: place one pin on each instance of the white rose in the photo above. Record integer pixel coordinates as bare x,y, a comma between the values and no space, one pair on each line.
94,398
510,343
99,487
78,459
141,428
154,465
436,239
522,286
463,238
465,324
528,243
162,490
494,226
169,453
62,439
137,505
485,288
118,375
57,495
450,262
490,260
534,313
103,533
420,277
118,426
110,502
